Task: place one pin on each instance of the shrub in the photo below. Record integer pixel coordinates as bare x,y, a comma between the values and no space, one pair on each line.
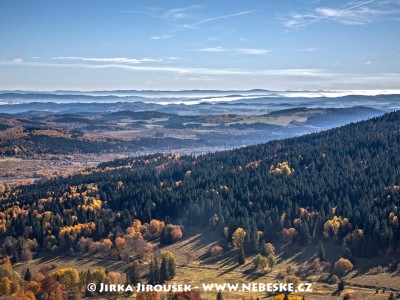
334,279
216,251
342,266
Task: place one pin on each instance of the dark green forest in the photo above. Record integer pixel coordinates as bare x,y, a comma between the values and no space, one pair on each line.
341,185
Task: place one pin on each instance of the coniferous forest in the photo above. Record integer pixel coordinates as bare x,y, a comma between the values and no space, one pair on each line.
340,186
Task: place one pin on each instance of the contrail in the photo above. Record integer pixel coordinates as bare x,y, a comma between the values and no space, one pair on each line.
335,14
221,17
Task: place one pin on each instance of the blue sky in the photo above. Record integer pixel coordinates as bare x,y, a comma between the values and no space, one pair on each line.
286,44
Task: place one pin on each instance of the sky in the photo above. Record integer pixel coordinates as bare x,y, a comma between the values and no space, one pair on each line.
208,44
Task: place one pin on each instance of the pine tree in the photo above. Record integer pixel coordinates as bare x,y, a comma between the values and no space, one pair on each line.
321,251
241,256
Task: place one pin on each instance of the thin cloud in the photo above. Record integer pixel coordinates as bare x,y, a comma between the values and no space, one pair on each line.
219,18
180,70
246,51
213,49
253,51
297,77
177,14
358,14
122,60
161,37
308,50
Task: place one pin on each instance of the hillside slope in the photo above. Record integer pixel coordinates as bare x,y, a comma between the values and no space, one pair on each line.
348,176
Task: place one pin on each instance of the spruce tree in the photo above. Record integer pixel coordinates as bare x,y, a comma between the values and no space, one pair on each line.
321,251
132,273
305,237
28,275
171,268
241,256
154,272
341,285
286,297
219,296
164,274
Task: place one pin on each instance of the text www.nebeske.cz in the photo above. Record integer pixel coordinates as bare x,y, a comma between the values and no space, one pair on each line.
210,287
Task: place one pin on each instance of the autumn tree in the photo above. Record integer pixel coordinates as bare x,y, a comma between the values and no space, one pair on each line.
192,295
68,277
260,262
5,286
98,275
271,260
167,269
148,296
170,233
15,287
342,266
269,248
216,251
238,237
132,273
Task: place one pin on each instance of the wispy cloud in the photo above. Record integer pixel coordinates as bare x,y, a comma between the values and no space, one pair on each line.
251,51
178,70
355,14
246,51
177,13
180,13
161,37
213,49
122,60
193,25
308,50
296,78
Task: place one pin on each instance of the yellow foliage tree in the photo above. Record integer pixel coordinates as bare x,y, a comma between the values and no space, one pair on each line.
148,296
332,227
98,275
32,286
282,296
281,168
5,286
68,277
238,237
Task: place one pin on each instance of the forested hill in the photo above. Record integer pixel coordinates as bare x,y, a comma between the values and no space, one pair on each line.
342,184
